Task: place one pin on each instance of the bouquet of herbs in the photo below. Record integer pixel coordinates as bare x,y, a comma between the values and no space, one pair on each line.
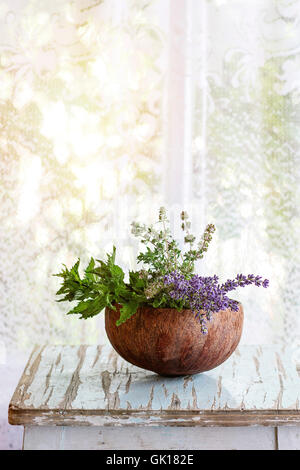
166,280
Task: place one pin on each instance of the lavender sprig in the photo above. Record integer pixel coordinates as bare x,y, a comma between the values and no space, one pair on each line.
204,295
241,281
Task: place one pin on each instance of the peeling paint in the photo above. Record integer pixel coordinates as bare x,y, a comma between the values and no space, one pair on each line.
90,385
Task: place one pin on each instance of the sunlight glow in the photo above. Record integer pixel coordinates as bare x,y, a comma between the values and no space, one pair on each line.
30,174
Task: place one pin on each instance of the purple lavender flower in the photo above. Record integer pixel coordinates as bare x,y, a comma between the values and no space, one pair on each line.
265,283
205,296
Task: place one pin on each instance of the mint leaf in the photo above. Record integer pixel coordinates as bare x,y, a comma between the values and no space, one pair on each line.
101,286
89,308
117,273
127,311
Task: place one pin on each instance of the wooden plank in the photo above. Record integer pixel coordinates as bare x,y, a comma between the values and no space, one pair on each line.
103,438
90,385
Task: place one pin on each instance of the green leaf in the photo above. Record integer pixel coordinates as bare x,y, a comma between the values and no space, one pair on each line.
89,308
74,271
158,302
127,311
111,258
88,271
136,282
117,273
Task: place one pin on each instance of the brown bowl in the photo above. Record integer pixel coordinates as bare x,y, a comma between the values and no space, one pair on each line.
169,342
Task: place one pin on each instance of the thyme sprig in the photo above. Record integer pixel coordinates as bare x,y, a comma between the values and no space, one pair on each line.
163,254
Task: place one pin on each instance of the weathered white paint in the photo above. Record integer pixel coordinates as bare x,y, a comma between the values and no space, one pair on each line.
90,385
112,438
105,403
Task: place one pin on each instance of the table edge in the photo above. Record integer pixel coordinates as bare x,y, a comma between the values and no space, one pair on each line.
56,417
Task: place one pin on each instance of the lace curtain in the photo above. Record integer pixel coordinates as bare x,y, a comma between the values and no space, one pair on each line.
233,148
80,140
109,109
246,152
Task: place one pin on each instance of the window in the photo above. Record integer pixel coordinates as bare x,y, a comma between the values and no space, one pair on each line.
109,109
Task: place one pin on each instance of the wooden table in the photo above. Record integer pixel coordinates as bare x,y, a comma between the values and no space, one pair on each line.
87,397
